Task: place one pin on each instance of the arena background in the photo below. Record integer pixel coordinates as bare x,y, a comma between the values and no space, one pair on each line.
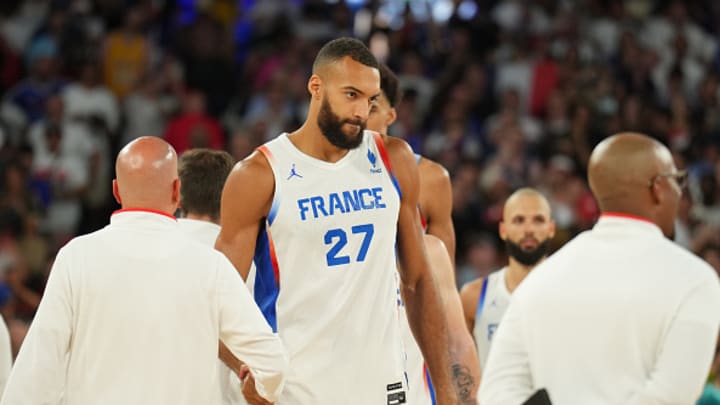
503,93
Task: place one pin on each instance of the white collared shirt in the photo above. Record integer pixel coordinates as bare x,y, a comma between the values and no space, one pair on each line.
620,315
132,314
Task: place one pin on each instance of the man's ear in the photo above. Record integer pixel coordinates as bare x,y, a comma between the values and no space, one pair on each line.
314,86
392,116
116,191
176,192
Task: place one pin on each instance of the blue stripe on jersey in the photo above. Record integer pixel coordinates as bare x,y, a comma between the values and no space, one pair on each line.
266,285
481,301
273,208
430,387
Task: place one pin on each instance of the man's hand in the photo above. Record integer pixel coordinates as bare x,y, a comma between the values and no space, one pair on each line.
248,388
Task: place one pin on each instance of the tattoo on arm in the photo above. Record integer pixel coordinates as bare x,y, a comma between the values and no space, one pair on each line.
464,383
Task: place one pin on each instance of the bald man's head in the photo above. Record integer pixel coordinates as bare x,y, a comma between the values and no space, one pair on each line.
631,173
146,175
527,226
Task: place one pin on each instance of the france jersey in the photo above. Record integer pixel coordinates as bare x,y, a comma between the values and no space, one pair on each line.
492,304
325,277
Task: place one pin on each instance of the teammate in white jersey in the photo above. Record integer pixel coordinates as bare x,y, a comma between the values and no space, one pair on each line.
328,204
202,173
435,214
527,228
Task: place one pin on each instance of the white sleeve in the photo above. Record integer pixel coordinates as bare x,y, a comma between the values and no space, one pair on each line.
43,354
687,350
5,354
506,378
247,334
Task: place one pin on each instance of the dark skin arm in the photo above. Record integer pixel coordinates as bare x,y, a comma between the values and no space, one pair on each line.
464,358
436,203
239,228
423,302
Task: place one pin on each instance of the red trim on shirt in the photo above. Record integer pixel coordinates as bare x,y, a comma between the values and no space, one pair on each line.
626,216
273,257
383,152
148,210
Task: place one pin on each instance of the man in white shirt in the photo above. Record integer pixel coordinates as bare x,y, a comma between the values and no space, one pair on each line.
202,173
621,314
133,313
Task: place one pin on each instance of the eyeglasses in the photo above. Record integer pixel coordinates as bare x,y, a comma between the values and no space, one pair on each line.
680,176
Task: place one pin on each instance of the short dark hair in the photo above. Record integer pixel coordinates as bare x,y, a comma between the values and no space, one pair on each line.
389,85
202,175
339,48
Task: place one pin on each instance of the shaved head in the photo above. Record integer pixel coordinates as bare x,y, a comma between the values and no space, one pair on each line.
147,176
527,226
338,49
520,196
629,173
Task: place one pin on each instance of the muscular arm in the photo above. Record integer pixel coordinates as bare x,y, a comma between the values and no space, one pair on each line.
465,366
245,201
436,203
422,296
469,295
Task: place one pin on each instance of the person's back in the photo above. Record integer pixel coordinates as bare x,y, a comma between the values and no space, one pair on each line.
627,265
619,315
133,313
136,298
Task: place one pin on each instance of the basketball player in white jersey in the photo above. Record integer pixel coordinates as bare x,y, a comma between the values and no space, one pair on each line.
435,213
202,173
323,209
527,228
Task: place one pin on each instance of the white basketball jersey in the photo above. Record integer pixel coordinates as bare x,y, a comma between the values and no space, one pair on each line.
326,274
420,390
492,304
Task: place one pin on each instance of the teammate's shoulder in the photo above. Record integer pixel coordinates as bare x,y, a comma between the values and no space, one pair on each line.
472,288
252,167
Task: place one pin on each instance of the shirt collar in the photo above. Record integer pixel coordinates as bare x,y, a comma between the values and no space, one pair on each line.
130,214
610,220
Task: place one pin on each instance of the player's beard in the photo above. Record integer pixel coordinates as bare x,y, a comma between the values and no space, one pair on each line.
527,257
331,127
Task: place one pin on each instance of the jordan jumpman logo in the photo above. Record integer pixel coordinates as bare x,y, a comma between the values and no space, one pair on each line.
293,173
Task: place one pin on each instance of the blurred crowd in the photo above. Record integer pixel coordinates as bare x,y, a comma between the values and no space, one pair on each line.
503,93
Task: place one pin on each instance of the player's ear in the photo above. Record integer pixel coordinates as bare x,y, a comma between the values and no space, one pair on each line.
501,230
116,191
176,192
392,116
552,229
314,86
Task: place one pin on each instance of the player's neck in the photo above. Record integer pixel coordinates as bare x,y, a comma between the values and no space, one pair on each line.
199,217
516,273
309,140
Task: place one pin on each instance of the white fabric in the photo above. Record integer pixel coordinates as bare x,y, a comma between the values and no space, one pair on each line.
6,356
418,388
339,321
132,314
620,315
487,317
206,233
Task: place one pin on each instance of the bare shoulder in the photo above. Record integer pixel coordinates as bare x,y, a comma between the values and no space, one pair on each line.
432,172
399,151
471,290
434,245
250,181
254,169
